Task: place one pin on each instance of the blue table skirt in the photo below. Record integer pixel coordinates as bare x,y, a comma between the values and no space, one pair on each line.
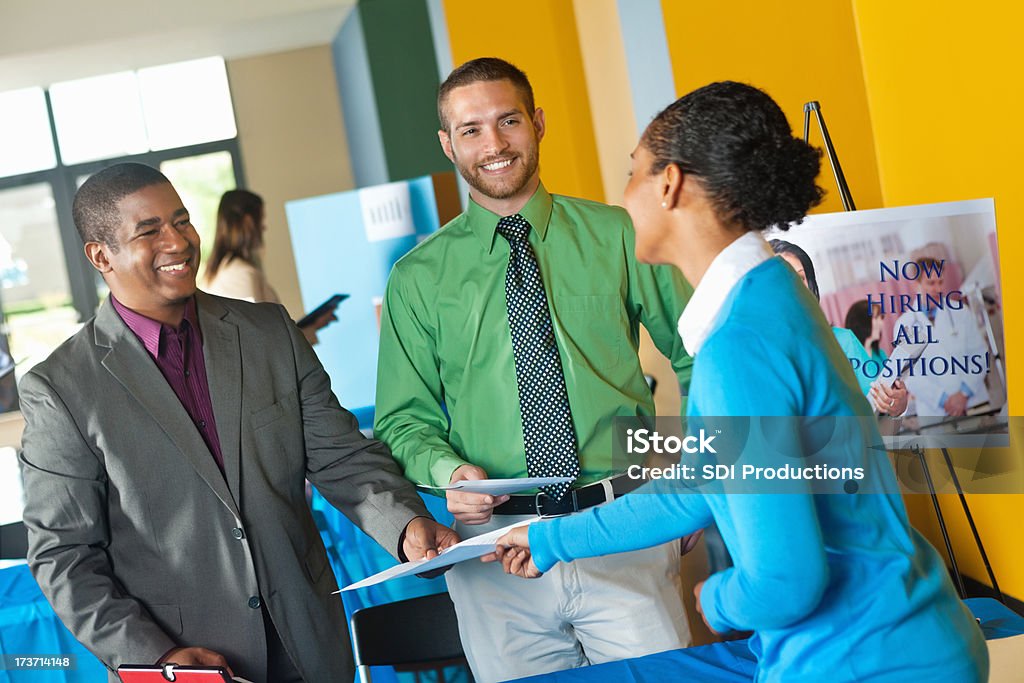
732,661
29,627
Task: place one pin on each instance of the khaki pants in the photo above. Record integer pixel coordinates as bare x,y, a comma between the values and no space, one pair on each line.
585,612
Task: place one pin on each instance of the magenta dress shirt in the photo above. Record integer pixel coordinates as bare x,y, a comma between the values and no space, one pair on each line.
179,356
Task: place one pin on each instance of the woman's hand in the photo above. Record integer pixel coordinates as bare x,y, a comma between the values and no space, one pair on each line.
889,400
519,561
310,329
731,635
700,610
514,553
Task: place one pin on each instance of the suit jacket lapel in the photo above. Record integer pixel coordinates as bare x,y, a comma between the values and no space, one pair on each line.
131,365
223,356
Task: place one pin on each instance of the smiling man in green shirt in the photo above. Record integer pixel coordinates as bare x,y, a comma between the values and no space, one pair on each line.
451,405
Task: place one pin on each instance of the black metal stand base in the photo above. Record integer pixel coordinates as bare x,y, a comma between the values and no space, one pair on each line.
970,521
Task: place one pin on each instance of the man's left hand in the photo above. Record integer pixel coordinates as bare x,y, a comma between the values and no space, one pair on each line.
424,538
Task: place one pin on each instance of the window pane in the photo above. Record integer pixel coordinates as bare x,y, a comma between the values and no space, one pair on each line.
25,141
200,181
98,118
34,287
187,103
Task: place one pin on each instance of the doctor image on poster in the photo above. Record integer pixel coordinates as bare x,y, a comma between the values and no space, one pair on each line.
953,335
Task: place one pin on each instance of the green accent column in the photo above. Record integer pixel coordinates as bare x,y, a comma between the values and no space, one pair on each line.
404,76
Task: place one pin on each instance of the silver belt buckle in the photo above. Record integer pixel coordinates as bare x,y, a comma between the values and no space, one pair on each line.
540,508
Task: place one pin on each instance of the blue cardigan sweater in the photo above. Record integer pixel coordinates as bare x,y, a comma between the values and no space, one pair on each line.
836,587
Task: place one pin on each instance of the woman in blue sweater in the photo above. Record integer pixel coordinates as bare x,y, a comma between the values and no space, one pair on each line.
836,586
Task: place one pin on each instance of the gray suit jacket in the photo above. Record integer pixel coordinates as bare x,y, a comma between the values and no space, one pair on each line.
137,539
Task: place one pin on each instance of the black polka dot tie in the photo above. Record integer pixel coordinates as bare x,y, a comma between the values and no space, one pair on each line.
543,402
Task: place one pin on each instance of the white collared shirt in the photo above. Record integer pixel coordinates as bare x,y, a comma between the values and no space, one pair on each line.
727,269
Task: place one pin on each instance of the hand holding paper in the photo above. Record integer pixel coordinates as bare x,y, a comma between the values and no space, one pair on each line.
889,399
424,538
469,549
513,549
469,506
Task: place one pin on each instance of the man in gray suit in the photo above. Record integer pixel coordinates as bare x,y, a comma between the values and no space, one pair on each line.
165,453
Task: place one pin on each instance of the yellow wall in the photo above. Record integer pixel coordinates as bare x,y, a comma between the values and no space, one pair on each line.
943,83
604,62
806,51
921,98
539,37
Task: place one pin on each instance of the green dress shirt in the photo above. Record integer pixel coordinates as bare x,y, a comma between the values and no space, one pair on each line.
446,378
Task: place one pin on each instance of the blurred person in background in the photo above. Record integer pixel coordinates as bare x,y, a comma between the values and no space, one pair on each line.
235,266
886,398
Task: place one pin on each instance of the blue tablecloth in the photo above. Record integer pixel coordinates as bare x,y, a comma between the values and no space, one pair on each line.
732,662
29,627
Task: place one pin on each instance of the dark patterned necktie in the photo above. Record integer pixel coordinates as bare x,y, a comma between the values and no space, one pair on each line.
543,402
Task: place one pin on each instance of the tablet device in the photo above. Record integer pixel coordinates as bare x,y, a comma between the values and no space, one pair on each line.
328,305
137,673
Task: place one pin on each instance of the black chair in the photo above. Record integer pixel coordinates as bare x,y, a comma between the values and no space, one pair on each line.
419,634
13,541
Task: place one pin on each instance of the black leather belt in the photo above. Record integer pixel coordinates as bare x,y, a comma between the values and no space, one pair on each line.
575,500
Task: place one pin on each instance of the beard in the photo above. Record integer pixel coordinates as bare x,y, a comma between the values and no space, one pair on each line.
505,186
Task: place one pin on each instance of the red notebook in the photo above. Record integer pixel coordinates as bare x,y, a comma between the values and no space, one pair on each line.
133,673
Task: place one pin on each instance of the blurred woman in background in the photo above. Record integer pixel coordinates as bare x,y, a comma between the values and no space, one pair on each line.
234,267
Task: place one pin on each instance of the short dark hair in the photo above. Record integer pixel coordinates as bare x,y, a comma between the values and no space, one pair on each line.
858,320
95,207
483,69
735,139
239,230
784,247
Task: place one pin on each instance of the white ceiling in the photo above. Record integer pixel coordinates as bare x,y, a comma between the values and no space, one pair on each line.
45,41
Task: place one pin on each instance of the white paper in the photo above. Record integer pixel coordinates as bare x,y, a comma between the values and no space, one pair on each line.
499,487
470,549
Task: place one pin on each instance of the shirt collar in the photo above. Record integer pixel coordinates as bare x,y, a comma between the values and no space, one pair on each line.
728,268
148,330
484,223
